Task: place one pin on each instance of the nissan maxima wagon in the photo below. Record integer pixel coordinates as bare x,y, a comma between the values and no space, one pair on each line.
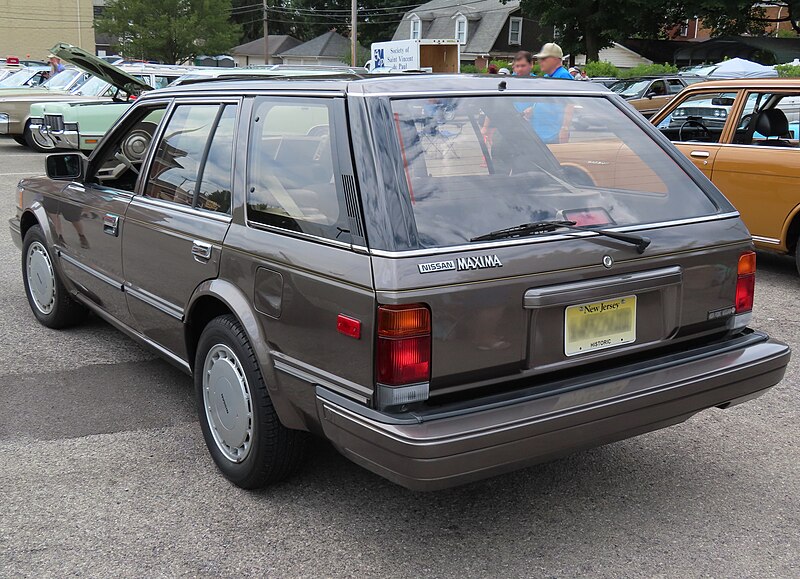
448,277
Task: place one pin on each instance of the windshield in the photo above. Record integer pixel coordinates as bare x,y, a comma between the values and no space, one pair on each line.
61,80
629,88
478,164
19,78
95,86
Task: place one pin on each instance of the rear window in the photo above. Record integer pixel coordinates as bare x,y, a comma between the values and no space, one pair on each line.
477,164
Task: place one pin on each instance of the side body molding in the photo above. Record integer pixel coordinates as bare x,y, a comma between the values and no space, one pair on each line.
238,303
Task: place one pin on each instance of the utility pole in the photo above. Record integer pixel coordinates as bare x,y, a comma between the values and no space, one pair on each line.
266,35
353,33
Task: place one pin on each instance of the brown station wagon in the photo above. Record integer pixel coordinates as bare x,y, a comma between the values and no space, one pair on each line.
744,135
447,277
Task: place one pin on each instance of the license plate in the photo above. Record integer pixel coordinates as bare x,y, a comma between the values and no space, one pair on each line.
599,325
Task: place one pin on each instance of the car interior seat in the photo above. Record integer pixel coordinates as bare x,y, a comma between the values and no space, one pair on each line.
772,123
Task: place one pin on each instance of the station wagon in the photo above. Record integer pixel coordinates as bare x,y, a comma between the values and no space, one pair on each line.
410,266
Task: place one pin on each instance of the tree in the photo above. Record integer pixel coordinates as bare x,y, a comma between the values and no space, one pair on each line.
169,30
587,26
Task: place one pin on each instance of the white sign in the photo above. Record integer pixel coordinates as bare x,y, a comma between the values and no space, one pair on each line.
397,55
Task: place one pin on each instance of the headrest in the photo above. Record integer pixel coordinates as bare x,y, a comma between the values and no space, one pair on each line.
772,123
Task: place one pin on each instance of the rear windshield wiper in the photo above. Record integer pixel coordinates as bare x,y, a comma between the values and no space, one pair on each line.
525,229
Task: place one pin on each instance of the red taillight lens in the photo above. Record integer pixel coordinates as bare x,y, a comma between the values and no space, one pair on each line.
745,282
404,345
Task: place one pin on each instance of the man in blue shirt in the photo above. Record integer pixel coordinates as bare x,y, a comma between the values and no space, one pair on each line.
548,120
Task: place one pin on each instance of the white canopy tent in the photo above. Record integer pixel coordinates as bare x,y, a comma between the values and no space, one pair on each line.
738,68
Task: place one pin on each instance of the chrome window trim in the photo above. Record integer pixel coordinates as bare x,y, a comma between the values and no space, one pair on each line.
545,239
484,92
303,236
225,94
770,240
161,204
757,147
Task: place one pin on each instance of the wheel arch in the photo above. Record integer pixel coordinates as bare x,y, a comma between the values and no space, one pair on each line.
219,297
791,230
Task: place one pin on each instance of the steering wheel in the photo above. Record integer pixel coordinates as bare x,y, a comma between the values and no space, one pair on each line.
695,123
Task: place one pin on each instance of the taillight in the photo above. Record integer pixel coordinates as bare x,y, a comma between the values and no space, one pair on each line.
403,367
745,282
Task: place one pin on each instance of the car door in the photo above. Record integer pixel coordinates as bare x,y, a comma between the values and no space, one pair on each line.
761,175
175,228
697,123
656,97
88,220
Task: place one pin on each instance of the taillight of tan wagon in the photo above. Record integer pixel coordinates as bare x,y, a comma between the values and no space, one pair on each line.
745,282
403,369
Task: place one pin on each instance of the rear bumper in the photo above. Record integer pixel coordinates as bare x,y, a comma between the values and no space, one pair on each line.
459,445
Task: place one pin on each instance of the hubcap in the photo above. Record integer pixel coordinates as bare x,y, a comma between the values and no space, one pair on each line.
226,399
41,278
41,140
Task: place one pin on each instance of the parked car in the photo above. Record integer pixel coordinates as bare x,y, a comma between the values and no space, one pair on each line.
24,77
743,134
333,256
649,94
81,125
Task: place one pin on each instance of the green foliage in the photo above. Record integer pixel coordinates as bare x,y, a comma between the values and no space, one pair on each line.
786,33
602,68
471,69
788,70
362,56
648,70
169,31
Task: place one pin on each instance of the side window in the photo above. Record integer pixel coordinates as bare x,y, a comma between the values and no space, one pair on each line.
700,118
160,81
176,165
674,86
769,119
120,160
214,193
291,177
658,87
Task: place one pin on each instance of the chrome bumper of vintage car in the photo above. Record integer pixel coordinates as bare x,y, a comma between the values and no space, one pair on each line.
61,135
4,122
455,444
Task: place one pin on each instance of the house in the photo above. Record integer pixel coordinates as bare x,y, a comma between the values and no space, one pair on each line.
252,53
618,55
330,49
486,29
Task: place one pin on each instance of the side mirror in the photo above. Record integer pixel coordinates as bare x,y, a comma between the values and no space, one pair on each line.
65,166
651,94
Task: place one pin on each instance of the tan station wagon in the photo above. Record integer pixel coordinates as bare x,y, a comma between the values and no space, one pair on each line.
447,277
745,136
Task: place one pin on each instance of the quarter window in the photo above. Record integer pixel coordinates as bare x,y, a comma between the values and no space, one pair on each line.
291,177
515,30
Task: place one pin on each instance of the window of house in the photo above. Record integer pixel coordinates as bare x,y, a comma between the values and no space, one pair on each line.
515,30
684,29
291,181
416,28
461,29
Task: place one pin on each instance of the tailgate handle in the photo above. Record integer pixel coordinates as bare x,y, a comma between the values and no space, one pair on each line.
700,154
601,288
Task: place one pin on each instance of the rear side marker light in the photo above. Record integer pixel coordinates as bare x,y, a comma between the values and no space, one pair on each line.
745,282
403,367
348,326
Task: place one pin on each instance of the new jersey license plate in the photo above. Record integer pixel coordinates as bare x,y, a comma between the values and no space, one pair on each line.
599,325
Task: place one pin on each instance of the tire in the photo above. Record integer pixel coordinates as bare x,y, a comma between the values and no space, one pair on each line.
36,142
20,139
48,298
245,437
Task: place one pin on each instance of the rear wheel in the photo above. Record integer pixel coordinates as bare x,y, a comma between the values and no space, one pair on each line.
797,255
47,296
37,142
241,428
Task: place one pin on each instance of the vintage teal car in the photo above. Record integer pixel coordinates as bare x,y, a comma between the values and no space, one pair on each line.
81,124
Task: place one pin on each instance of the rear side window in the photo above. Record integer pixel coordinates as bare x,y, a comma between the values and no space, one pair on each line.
292,180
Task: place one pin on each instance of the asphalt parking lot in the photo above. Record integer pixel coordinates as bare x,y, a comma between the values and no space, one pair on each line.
103,472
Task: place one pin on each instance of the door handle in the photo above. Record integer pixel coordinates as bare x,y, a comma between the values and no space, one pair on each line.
111,224
700,154
201,251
